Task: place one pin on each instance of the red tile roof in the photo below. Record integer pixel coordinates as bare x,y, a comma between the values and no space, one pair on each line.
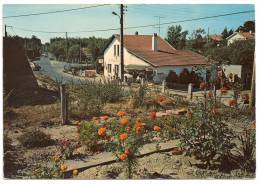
141,46
216,37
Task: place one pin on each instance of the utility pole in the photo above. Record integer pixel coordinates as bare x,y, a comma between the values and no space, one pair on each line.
208,36
252,95
159,23
67,48
122,40
80,51
5,32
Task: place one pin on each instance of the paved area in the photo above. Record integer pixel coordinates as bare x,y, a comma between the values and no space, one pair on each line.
54,69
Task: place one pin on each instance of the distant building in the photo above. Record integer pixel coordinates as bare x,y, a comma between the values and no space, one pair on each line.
215,38
149,55
236,36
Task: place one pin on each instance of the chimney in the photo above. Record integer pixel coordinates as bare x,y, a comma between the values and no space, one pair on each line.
136,33
154,42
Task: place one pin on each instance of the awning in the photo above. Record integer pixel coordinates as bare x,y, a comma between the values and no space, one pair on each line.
139,67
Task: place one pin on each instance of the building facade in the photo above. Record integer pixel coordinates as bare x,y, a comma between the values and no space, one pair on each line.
148,54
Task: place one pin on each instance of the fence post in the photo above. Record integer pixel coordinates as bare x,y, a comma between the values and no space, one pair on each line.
64,104
163,86
215,93
190,91
142,81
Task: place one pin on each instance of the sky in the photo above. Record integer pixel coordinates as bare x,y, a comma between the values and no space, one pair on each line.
136,15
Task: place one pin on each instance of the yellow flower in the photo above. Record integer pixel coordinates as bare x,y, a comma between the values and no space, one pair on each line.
56,158
63,167
75,172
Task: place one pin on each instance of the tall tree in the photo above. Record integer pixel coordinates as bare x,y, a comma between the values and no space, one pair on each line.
176,37
198,39
226,33
247,26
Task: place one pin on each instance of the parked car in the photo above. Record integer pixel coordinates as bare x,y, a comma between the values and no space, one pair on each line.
37,67
34,66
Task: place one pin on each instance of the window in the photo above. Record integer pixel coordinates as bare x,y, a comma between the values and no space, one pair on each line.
114,50
109,68
116,69
117,50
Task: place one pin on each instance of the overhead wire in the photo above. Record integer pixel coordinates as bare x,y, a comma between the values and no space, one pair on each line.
51,12
140,26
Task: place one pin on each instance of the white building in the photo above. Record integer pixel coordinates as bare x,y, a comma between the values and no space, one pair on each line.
238,36
148,53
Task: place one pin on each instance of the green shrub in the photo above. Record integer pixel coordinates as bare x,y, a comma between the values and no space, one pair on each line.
91,96
6,100
205,135
88,136
246,151
10,158
52,171
35,138
139,96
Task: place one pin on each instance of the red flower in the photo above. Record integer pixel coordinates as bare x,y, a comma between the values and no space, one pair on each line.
123,136
223,90
157,128
210,94
232,103
152,115
104,118
123,156
127,152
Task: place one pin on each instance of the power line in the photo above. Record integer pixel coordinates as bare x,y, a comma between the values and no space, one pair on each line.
159,23
51,12
143,26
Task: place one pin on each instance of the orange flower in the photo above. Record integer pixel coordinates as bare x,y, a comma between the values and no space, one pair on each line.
123,156
139,130
102,131
123,136
223,90
63,168
161,98
138,126
152,115
104,118
202,85
121,113
210,94
232,103
127,152
157,128
124,121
